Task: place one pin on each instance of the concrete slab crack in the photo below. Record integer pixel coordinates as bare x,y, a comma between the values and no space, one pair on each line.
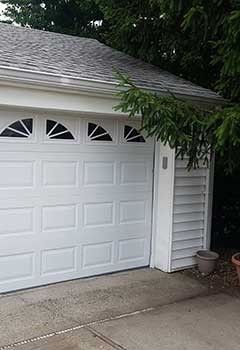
93,323
105,339
76,328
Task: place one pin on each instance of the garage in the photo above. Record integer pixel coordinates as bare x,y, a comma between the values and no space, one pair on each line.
82,191
76,197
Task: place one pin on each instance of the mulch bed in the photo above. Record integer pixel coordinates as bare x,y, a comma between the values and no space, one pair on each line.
224,278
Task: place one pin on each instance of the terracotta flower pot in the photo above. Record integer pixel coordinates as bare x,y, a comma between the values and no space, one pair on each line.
236,262
206,261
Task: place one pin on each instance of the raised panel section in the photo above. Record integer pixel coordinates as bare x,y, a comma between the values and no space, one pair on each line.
131,249
59,173
133,173
58,260
16,174
132,212
16,267
98,214
99,254
59,217
99,173
16,221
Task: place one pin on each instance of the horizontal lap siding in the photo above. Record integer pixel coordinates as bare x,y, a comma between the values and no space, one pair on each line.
188,214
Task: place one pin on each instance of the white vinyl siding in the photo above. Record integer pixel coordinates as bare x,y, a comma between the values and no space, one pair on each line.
189,212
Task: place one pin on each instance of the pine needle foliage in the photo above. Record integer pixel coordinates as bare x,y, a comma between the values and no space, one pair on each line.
193,132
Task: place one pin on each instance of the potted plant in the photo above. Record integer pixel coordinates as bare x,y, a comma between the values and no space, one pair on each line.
206,260
236,262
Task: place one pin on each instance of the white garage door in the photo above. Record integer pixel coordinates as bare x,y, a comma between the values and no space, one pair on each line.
75,198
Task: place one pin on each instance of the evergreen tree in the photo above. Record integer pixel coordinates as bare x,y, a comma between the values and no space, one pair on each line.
74,17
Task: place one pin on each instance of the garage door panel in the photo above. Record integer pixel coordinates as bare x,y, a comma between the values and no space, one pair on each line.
99,173
60,174
97,254
15,221
134,172
132,249
17,267
133,211
59,217
58,260
99,214
16,174
73,208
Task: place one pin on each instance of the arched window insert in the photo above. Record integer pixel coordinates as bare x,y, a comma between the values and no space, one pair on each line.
56,130
132,135
98,133
21,128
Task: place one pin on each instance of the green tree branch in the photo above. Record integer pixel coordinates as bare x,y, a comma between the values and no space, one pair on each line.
193,132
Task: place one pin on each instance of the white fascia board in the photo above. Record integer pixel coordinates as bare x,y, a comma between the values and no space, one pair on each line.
31,90
51,80
59,100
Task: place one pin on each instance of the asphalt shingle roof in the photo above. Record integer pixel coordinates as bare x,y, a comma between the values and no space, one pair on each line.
83,58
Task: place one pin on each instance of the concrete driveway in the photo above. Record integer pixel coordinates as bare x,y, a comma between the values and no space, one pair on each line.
134,310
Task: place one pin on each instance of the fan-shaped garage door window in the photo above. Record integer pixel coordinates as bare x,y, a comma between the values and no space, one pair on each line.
21,128
132,135
98,133
56,130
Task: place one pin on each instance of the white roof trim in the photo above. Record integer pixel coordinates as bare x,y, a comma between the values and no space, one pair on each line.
51,80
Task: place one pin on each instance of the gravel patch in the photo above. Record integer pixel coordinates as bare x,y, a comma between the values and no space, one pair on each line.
224,278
